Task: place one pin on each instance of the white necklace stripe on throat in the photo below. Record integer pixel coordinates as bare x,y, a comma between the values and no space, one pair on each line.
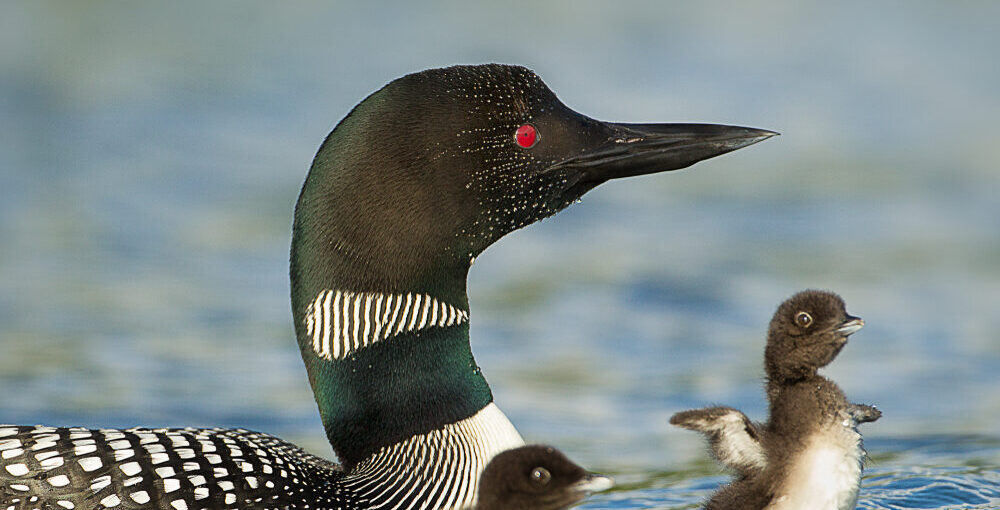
454,455
342,322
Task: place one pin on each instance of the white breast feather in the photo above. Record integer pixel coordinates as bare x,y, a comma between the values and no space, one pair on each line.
826,475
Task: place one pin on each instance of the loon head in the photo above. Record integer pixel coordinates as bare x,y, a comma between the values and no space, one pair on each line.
536,477
806,333
427,172
415,182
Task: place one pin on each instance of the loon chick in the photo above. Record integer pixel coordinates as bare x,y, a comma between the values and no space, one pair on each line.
536,477
809,454
416,181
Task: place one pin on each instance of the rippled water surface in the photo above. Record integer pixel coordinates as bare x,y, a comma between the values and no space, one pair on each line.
150,158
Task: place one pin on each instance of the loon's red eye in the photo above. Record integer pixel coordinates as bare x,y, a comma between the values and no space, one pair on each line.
526,136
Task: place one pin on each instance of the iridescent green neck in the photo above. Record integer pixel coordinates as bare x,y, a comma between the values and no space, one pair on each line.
386,344
392,389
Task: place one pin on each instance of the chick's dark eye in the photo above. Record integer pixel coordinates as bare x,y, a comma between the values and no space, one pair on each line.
540,475
803,319
526,136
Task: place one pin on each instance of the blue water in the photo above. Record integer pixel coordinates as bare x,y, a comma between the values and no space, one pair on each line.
150,156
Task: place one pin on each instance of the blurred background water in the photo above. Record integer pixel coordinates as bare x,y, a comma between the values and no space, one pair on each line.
151,154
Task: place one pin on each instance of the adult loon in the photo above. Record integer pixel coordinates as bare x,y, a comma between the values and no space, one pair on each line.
535,477
809,453
418,179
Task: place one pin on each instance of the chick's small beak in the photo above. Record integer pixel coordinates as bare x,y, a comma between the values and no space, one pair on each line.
850,325
594,483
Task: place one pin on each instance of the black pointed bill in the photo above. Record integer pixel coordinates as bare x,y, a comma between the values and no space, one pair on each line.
637,149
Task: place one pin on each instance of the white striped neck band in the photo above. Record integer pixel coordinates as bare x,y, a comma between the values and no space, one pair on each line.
342,322
439,469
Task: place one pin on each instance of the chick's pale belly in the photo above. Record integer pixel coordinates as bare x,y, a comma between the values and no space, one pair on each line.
825,475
